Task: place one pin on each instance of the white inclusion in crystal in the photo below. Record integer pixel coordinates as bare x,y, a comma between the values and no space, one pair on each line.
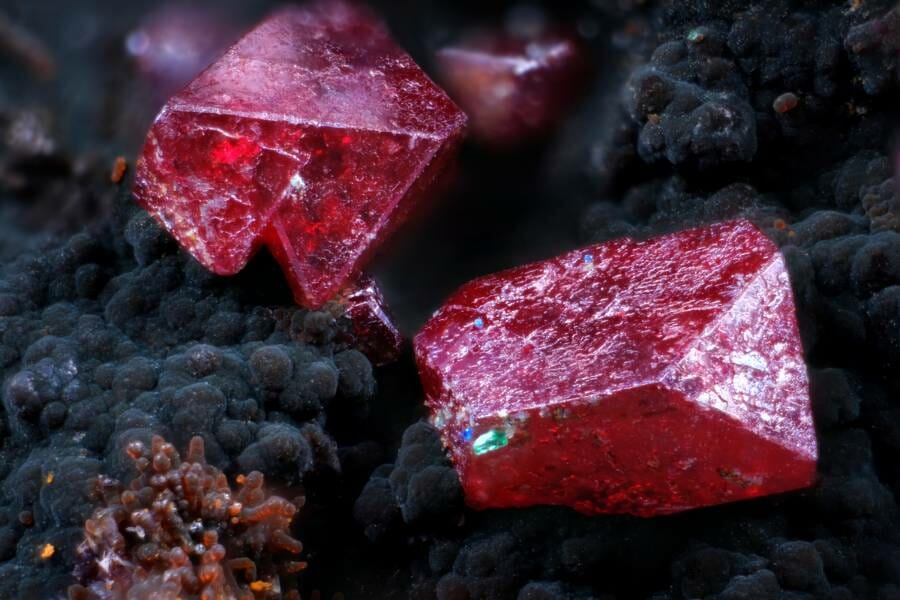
742,383
754,360
784,376
297,182
440,418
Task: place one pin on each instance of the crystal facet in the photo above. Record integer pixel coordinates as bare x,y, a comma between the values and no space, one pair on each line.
644,377
314,135
513,87
372,330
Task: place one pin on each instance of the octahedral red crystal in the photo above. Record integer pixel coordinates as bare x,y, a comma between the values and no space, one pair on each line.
514,87
644,377
314,135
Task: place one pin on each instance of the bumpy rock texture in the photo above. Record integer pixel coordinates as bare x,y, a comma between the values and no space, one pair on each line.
178,531
314,135
115,336
641,377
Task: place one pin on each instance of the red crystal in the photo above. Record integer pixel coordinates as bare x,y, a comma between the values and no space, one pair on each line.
372,329
643,377
513,87
314,135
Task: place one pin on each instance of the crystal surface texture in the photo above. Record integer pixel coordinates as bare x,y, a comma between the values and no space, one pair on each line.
313,135
643,377
372,329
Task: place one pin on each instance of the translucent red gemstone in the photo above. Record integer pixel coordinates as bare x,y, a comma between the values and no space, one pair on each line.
643,377
372,330
314,135
513,87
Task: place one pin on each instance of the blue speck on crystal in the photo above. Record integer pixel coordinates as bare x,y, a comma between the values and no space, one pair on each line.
588,259
479,322
467,434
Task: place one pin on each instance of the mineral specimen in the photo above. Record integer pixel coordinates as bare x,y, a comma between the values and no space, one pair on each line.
372,329
513,87
644,377
313,135
180,532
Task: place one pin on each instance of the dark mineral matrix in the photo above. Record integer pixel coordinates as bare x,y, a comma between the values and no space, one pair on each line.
450,300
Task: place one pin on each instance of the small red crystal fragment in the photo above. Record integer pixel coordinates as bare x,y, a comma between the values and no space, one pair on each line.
513,87
314,135
372,330
643,377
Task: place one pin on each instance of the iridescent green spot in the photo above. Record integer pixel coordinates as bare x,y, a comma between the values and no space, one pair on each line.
489,441
695,36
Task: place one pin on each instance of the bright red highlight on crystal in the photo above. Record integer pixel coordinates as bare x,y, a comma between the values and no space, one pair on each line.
313,135
643,377
230,151
513,87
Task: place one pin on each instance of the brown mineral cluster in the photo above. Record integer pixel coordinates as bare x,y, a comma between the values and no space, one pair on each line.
179,532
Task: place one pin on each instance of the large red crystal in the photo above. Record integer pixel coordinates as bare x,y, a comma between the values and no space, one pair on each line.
313,135
643,377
